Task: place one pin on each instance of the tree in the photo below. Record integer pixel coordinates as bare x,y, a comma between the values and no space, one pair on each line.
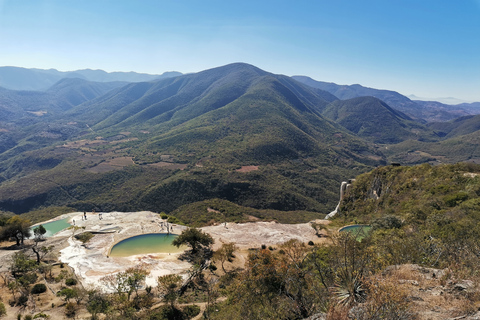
41,252
128,281
225,253
193,238
21,264
67,293
39,232
18,228
97,303
168,286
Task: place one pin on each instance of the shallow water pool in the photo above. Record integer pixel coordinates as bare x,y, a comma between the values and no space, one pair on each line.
358,230
145,243
54,227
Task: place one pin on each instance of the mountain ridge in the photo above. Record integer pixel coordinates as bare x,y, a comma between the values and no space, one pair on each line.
420,110
162,144
32,79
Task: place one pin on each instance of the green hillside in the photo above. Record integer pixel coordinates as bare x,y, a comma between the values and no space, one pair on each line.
457,127
374,120
163,144
421,214
424,111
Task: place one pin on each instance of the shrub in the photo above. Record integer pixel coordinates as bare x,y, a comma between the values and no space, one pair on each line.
71,282
173,220
84,237
39,288
454,199
163,216
70,310
22,300
310,243
3,310
191,311
28,317
387,222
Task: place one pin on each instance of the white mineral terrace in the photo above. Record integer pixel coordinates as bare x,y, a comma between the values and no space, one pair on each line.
91,261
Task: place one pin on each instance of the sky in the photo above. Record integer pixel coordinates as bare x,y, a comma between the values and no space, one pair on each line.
428,48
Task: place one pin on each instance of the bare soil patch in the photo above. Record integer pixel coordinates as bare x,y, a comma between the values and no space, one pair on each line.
113,164
247,169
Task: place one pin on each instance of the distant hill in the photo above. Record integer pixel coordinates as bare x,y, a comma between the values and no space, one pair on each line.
62,95
458,127
16,78
440,112
374,120
235,133
27,118
421,110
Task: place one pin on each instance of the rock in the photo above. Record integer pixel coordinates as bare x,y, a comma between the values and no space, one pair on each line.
317,316
412,282
415,298
476,316
462,285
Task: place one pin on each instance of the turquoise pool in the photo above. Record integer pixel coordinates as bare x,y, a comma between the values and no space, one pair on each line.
145,243
358,230
54,226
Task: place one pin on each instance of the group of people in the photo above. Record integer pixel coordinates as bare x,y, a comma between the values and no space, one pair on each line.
84,216
165,224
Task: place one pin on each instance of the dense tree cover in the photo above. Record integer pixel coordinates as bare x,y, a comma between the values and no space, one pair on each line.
374,120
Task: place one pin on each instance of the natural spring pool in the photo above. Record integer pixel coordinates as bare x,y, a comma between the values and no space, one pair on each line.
54,226
145,243
358,230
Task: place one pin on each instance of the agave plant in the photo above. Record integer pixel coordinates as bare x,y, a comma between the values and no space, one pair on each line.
349,290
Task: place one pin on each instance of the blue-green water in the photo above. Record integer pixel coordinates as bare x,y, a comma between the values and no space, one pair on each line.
358,230
54,226
145,243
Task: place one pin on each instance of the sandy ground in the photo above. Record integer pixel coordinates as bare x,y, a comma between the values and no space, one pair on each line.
91,262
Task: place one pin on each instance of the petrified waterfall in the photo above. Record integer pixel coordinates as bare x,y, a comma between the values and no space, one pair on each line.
343,188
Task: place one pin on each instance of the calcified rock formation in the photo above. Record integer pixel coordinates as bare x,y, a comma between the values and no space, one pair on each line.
343,189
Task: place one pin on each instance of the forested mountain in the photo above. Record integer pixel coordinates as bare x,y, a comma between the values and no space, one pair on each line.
457,127
236,133
16,78
421,110
374,120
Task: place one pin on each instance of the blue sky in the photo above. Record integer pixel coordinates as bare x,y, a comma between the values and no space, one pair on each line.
422,47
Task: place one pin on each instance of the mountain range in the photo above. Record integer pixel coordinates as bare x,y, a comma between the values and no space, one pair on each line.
16,78
426,111
236,133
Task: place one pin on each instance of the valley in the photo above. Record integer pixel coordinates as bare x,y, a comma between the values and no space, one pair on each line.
250,162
